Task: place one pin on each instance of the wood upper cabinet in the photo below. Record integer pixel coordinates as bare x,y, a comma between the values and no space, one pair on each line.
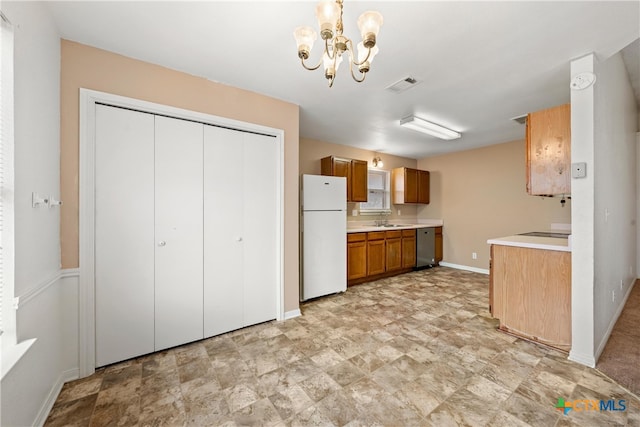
393,250
408,248
375,253
410,186
439,245
354,170
549,151
356,255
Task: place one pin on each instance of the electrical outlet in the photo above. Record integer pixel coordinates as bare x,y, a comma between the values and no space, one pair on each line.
621,284
474,255
613,296
399,213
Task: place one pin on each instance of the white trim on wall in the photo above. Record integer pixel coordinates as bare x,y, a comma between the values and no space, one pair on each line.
22,300
465,267
43,413
88,101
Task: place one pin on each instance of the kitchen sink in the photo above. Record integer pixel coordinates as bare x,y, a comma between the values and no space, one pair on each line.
546,234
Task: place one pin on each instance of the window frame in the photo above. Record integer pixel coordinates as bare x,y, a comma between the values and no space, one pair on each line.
387,193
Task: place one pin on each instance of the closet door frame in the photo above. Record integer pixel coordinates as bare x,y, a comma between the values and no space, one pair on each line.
86,292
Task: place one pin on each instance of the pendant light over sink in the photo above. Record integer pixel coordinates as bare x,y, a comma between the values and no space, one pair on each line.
329,15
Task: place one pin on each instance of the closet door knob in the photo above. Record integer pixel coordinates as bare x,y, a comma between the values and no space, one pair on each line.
238,239
162,243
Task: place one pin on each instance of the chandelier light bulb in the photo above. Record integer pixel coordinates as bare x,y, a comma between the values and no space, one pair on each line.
369,24
305,37
327,13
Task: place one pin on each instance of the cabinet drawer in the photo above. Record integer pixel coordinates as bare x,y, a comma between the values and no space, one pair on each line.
395,234
356,237
408,233
375,235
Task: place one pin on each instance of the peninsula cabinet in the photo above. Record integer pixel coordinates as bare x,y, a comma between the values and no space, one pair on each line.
356,172
410,186
530,292
549,151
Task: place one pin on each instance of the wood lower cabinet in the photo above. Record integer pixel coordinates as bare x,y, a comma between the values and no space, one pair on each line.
531,293
439,245
408,248
375,253
549,151
410,186
394,250
354,170
356,256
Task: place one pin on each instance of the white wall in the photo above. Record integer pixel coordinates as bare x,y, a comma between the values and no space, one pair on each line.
616,124
604,120
48,301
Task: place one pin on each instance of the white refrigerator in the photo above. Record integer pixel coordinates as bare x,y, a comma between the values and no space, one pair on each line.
324,235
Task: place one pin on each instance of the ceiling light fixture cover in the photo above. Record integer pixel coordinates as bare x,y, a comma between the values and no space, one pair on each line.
329,15
433,129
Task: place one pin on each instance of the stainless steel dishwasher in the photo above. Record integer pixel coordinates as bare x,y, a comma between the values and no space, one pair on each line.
425,247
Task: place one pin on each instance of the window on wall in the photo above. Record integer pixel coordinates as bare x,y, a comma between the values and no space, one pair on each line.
379,197
6,175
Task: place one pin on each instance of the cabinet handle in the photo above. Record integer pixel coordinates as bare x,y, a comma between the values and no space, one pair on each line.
238,239
162,243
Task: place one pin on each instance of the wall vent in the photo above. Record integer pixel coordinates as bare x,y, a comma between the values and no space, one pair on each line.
402,85
520,119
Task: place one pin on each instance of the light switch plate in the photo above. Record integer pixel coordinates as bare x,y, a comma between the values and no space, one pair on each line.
578,170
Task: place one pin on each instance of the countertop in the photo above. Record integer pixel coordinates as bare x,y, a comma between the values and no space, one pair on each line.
366,226
546,243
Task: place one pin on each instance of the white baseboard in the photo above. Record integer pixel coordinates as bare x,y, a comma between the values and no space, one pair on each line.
291,314
65,376
465,267
583,359
614,319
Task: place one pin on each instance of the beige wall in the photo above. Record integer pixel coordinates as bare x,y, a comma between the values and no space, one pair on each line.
87,67
481,194
311,151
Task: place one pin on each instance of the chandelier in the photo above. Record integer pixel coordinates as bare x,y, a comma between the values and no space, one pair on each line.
329,15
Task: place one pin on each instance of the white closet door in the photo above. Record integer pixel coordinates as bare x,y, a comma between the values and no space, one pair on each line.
178,232
224,235
260,243
124,249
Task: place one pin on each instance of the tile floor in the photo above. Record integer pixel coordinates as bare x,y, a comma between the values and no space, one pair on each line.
414,350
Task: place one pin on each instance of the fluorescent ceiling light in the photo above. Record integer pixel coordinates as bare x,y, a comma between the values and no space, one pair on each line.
421,125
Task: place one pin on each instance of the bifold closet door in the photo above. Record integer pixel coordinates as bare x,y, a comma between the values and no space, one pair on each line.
240,233
178,232
124,234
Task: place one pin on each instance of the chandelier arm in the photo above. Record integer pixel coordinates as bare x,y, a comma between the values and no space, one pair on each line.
310,68
354,76
354,53
326,49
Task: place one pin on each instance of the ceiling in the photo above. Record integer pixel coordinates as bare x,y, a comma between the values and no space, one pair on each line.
478,64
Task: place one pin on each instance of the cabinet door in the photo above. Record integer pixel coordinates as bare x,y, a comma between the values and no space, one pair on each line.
375,257
178,232
359,177
423,187
394,254
439,244
124,240
335,166
549,151
356,259
408,249
410,185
